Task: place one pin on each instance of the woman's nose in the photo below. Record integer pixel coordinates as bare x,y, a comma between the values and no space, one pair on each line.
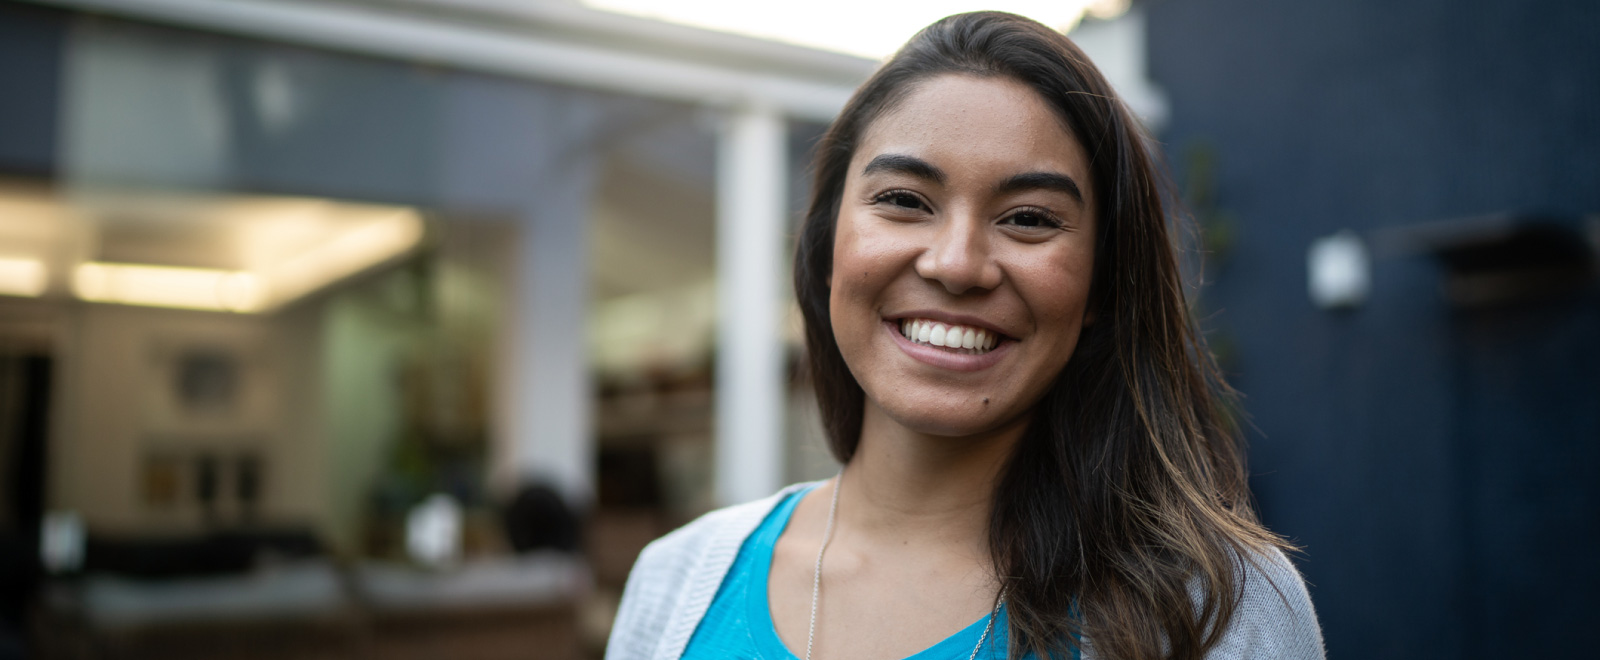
960,257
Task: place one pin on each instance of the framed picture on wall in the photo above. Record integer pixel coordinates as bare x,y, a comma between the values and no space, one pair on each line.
208,422
216,386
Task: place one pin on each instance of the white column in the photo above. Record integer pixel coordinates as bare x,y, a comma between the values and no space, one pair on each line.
531,150
751,210
545,403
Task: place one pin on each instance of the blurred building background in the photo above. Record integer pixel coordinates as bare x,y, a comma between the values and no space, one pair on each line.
394,328
381,328
1432,444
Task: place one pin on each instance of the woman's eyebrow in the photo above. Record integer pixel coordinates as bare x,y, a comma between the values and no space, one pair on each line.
904,164
1041,180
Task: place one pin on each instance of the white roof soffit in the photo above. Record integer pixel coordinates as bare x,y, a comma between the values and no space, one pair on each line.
549,41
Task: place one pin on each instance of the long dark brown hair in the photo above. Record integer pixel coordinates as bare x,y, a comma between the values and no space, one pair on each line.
1128,489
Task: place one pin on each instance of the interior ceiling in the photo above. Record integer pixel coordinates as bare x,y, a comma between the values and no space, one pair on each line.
63,229
229,232
233,232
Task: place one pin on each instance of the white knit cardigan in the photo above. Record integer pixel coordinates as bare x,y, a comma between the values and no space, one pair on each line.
672,584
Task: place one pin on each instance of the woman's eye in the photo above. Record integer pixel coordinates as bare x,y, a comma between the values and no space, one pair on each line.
900,199
1032,220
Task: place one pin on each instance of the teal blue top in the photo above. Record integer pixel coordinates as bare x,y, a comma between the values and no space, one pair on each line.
739,624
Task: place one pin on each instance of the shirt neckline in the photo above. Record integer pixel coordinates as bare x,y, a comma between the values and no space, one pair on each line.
758,613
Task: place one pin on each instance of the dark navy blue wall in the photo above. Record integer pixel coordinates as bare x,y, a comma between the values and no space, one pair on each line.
31,45
1438,464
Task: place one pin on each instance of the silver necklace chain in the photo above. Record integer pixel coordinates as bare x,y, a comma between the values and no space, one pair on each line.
816,580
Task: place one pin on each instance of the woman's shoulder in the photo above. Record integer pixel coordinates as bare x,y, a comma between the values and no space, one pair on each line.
675,577
1274,617
717,528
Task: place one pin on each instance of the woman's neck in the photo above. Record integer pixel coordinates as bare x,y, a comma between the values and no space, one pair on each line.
908,562
904,486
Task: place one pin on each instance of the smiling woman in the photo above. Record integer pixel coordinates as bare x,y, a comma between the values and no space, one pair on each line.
961,214
1038,461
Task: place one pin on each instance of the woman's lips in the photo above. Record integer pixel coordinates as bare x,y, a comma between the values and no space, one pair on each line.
946,358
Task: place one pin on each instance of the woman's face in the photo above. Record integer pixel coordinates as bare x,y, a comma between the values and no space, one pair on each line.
962,255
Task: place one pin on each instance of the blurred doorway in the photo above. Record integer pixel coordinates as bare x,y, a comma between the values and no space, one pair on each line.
25,382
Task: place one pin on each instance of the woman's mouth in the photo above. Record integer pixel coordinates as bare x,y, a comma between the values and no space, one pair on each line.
958,338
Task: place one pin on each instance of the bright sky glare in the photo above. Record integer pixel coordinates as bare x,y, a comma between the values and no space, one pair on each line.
869,28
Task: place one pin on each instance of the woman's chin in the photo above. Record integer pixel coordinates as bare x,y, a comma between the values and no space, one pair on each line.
957,419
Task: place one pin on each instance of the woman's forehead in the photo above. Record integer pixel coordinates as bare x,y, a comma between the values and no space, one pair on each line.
987,125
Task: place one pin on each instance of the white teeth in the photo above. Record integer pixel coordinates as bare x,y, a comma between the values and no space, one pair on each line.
949,336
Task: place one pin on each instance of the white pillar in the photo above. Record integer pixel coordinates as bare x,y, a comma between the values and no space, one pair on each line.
545,404
751,209
531,151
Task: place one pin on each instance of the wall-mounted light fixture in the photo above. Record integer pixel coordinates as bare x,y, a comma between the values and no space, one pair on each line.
1339,271
22,277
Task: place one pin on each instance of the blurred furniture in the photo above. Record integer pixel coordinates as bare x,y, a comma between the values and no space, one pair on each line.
298,609
222,553
539,519
243,596
500,607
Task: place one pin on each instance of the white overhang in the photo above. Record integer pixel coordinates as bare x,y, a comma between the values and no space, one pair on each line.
548,41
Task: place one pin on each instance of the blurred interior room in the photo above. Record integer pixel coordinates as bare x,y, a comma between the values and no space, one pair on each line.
396,328
311,346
